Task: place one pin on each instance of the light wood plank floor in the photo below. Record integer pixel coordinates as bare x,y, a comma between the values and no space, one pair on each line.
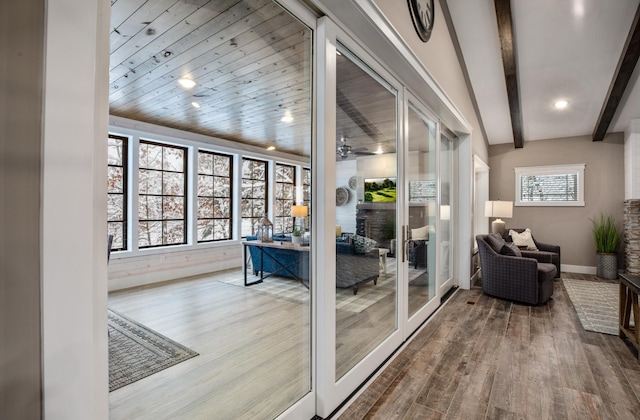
250,344
499,360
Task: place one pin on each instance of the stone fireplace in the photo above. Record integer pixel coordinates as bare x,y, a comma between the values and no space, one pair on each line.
632,236
377,221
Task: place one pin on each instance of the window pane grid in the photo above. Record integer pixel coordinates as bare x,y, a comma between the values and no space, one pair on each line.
561,187
254,194
162,197
214,196
306,194
285,197
117,191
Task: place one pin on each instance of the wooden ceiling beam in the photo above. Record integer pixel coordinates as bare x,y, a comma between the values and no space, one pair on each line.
622,75
357,117
508,48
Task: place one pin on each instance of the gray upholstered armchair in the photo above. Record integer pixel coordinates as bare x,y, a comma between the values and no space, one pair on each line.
543,248
507,274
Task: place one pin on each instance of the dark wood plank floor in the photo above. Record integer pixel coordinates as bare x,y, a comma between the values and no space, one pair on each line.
500,360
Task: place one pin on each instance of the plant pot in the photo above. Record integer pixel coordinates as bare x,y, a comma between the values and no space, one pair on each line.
296,240
607,265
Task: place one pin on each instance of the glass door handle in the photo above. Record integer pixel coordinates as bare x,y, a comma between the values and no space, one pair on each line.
405,243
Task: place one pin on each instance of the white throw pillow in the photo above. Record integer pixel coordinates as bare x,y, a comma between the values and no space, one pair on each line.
523,239
420,233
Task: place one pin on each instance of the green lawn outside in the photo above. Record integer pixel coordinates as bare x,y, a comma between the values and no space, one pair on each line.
385,195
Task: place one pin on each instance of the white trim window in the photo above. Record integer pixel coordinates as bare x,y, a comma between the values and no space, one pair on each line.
555,185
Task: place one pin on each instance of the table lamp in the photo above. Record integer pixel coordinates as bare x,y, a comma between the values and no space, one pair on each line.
498,209
298,212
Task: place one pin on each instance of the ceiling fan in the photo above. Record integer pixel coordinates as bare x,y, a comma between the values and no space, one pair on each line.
344,150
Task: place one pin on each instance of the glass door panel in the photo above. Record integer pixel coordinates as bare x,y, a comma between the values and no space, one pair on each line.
446,210
366,171
422,160
254,341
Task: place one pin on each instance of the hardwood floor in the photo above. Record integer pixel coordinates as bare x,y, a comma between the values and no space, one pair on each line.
249,345
492,359
496,359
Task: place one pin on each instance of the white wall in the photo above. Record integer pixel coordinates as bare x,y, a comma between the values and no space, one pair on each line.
346,214
377,166
158,267
74,203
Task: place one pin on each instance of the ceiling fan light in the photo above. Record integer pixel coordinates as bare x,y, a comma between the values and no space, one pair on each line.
186,83
561,104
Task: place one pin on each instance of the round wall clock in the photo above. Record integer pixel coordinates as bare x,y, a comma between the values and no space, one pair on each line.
422,14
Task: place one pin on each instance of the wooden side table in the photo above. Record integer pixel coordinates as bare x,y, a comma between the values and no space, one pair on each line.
629,290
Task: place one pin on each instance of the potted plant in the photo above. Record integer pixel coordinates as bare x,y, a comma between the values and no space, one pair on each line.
607,239
296,235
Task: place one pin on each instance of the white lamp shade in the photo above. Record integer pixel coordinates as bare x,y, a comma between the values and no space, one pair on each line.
445,212
498,209
299,211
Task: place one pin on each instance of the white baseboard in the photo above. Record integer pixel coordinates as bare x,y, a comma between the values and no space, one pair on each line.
168,274
580,269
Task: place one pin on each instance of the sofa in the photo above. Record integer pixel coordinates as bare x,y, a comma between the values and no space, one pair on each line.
508,274
353,267
543,248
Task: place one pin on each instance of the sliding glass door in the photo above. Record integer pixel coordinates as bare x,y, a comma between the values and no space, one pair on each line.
390,172
447,211
421,233
194,198
366,168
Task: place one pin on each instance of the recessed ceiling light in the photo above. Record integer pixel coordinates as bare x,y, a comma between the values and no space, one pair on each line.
186,83
287,118
270,148
562,104
195,104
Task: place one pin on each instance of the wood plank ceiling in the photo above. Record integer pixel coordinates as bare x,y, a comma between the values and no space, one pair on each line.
250,60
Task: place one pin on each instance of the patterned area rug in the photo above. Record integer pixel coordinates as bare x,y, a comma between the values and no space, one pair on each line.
136,352
596,303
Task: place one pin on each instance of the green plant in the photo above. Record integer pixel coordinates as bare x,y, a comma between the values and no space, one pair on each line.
606,234
297,231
